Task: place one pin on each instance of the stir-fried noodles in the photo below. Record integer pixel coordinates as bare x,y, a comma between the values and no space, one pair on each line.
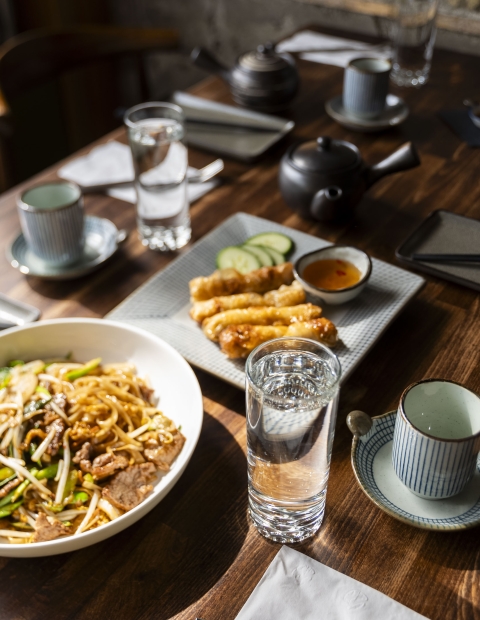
80,444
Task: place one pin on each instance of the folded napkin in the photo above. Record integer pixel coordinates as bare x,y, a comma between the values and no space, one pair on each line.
308,40
295,586
112,162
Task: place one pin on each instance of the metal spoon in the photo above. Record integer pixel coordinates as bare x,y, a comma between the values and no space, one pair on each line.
200,176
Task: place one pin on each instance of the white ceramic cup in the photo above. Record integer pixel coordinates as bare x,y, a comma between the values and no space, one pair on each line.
437,438
52,220
365,86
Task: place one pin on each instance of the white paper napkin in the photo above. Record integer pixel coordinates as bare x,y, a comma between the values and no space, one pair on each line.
295,586
112,162
308,40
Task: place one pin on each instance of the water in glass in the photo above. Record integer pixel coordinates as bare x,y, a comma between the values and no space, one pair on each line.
160,160
291,409
413,36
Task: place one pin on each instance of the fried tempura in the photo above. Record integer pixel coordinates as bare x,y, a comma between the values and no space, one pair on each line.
230,281
202,310
285,296
213,326
237,341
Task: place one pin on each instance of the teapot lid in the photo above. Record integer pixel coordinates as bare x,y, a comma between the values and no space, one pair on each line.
264,59
325,155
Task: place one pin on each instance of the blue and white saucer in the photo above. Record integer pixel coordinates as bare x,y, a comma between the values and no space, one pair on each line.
372,465
102,239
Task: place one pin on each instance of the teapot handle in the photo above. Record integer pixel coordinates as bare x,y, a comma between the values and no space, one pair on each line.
404,158
203,59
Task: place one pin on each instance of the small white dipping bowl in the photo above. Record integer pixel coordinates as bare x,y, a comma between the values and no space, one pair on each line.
339,252
172,379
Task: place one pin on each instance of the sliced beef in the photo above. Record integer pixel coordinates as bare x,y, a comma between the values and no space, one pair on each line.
147,393
59,425
84,453
5,490
48,418
48,528
60,400
104,465
130,487
163,455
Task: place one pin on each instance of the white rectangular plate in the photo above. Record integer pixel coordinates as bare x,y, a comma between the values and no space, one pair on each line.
161,305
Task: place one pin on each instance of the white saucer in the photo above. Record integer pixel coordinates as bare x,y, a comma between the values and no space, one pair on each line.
396,111
102,239
372,465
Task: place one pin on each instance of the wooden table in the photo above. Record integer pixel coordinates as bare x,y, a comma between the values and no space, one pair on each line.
196,554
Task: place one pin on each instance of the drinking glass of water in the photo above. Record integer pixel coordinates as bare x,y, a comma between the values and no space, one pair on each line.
413,36
292,391
156,132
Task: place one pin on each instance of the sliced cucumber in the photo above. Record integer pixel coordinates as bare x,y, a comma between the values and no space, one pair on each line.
277,257
265,258
277,241
240,259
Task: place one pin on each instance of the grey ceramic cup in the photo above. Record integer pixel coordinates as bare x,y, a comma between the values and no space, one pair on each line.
52,220
437,438
365,87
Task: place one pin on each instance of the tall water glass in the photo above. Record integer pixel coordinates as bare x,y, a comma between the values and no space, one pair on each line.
156,132
292,390
413,36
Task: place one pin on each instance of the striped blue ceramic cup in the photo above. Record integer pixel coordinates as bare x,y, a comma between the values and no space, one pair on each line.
437,438
52,220
365,86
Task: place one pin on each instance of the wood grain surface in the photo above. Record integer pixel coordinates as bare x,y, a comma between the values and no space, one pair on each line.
196,554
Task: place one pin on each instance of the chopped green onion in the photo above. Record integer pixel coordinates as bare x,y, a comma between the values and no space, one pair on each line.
6,500
80,497
7,511
7,480
36,405
48,472
84,370
70,484
5,472
41,390
16,363
22,526
21,488
4,377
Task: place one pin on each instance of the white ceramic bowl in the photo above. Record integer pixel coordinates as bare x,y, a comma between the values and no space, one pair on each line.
342,252
172,379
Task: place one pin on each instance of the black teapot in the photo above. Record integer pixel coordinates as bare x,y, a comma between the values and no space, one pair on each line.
324,179
263,80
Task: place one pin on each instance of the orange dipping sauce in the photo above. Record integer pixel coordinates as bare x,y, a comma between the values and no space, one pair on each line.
332,274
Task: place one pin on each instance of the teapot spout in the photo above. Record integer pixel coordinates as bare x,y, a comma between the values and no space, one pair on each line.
207,62
404,158
324,205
